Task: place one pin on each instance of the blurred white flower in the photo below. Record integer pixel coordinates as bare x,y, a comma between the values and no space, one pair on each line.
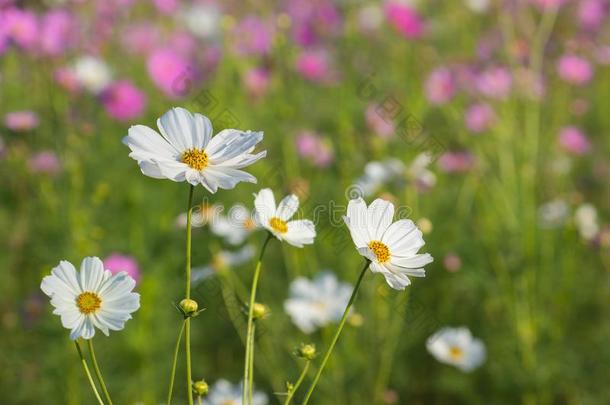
223,260
202,214
225,393
236,226
186,151
376,174
391,247
94,299
553,213
586,221
314,304
92,73
202,20
418,171
457,347
276,219
478,6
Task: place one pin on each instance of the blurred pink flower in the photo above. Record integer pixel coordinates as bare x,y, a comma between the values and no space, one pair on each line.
45,162
574,141
314,65
456,162
546,4
574,69
440,86
495,83
21,26
21,121
592,13
479,117
118,262
313,20
123,101
252,36
452,262
58,32
184,43
172,73
167,6
256,81
404,19
140,39
377,123
67,79
314,148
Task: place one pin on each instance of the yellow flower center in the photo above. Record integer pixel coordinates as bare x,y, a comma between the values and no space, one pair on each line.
195,158
381,250
249,224
88,302
455,353
278,225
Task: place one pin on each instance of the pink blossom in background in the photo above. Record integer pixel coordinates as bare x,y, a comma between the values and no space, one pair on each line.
166,6
495,83
479,117
67,79
45,162
252,36
314,65
140,39
574,141
123,101
452,262
314,148
456,162
172,73
58,32
378,123
591,14
118,262
20,26
184,43
547,4
20,121
313,20
574,69
256,81
404,19
602,55
440,86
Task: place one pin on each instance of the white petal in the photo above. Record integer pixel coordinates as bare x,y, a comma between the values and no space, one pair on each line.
226,177
356,221
146,143
231,143
412,262
264,204
397,281
300,232
91,273
403,238
84,329
62,281
241,161
182,130
115,287
368,253
287,207
379,217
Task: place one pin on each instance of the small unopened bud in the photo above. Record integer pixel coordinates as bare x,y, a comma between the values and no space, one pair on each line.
259,310
200,388
307,352
189,306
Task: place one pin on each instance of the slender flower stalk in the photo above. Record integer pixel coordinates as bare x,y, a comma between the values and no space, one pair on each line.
88,373
187,322
297,384
175,361
339,329
98,373
249,360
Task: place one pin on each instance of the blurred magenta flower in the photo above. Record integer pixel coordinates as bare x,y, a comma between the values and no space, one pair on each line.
58,32
140,39
456,162
547,4
172,73
377,123
404,19
20,26
252,36
574,69
479,117
592,13
123,101
66,78
118,262
314,65
495,82
166,6
45,162
440,86
313,20
314,148
574,141
20,121
256,81
184,43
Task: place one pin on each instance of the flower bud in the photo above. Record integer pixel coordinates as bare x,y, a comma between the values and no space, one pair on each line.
189,306
307,352
259,310
200,388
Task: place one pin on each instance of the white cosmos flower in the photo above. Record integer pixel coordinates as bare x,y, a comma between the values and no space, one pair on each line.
222,260
225,393
376,174
586,220
236,226
457,347
95,298
314,304
201,20
92,73
391,247
276,219
186,151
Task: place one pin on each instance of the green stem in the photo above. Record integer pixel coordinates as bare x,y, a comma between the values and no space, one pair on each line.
187,322
336,337
98,373
173,372
88,373
251,366
249,360
297,384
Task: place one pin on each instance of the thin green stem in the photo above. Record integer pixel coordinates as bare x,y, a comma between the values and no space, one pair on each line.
175,361
251,365
187,322
297,384
249,360
88,373
336,337
98,373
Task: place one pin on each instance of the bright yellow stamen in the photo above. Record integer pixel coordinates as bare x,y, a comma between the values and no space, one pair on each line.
455,353
381,250
278,225
195,158
249,224
88,303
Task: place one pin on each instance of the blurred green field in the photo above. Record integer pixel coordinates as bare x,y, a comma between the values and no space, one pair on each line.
537,295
